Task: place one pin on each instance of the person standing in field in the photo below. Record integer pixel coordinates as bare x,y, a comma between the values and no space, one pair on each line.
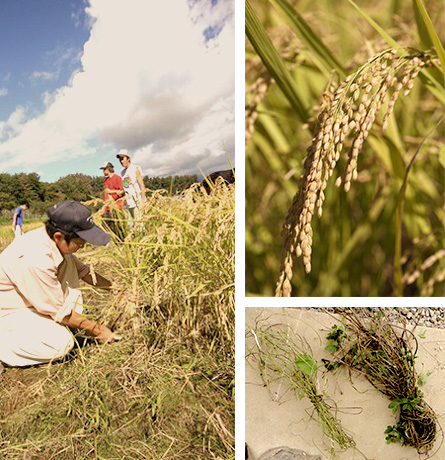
17,220
133,183
39,281
114,194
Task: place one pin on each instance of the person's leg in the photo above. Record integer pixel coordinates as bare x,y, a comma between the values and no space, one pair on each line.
28,338
137,213
113,220
18,231
121,223
131,218
108,220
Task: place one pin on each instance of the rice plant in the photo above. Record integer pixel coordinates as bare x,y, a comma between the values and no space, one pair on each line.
166,390
351,107
348,94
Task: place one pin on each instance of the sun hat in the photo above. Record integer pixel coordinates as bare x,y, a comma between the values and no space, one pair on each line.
123,153
74,217
107,165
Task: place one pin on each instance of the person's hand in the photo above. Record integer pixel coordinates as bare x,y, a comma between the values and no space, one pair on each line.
127,293
105,334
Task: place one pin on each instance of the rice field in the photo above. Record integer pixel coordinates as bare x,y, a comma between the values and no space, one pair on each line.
167,389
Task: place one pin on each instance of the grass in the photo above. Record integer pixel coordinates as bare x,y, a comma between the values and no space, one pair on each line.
166,391
282,357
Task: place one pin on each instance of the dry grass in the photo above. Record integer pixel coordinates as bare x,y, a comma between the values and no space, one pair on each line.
166,391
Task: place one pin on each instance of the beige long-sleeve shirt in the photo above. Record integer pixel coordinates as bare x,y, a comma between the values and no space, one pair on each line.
31,270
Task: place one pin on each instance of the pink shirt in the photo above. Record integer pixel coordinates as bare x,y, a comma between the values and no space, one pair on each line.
30,268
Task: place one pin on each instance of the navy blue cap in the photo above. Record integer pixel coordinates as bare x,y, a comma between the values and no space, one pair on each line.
74,217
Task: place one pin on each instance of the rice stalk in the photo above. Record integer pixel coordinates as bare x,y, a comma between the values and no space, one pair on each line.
177,260
398,218
347,110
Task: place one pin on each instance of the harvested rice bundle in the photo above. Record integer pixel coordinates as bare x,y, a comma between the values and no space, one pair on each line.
281,355
385,353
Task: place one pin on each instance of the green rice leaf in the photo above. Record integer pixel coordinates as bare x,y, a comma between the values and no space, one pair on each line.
432,34
379,29
436,87
324,56
389,154
442,155
398,218
424,36
272,60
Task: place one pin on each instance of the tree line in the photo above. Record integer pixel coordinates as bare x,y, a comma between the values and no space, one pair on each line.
16,189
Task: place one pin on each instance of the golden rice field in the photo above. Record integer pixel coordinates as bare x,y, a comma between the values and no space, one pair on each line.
167,389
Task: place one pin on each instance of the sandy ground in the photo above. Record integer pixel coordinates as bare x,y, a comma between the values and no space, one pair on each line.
363,411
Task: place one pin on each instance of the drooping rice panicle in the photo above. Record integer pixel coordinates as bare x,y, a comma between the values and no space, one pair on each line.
347,114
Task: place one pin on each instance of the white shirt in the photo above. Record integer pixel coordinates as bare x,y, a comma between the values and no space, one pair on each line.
30,270
131,185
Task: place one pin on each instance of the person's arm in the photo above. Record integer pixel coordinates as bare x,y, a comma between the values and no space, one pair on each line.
100,331
140,181
117,186
14,221
99,282
117,191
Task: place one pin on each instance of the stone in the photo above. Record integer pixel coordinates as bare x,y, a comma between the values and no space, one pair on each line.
285,453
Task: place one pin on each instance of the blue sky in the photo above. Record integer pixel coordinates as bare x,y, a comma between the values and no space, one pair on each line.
79,80
40,44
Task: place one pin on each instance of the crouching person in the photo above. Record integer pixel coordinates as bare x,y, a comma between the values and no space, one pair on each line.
39,295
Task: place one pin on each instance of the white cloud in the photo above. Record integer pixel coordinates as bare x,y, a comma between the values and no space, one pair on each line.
3,91
59,58
148,82
43,76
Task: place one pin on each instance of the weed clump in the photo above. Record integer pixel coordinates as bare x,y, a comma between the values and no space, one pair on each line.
280,354
385,354
349,110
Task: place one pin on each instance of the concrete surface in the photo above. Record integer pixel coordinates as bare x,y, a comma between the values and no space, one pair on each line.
363,411
284,453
